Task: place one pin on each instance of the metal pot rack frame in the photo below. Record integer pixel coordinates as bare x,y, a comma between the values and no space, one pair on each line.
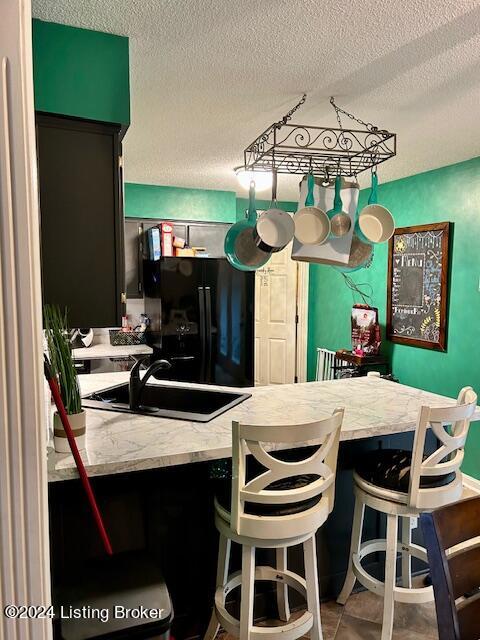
324,151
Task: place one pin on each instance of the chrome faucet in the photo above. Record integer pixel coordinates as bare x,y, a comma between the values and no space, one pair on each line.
136,385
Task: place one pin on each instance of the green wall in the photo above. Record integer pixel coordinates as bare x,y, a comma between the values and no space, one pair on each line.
82,73
448,194
152,201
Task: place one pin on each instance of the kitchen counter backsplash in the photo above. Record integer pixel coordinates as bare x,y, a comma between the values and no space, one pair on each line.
135,308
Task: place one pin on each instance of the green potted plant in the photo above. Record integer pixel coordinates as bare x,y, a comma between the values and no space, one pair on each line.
63,368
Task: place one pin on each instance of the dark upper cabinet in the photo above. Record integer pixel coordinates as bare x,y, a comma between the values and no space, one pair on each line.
81,212
210,235
133,257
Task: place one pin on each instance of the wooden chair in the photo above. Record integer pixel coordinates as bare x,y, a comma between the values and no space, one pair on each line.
403,485
452,539
281,506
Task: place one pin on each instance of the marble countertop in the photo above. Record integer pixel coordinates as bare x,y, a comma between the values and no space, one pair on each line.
103,350
122,442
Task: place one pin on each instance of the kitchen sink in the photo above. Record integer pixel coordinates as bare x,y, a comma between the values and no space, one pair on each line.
162,401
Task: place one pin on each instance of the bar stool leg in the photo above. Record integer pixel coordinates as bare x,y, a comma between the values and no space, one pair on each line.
247,595
406,557
390,576
357,527
282,589
224,546
311,578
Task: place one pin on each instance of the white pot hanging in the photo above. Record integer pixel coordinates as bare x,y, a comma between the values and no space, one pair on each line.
275,227
312,224
375,223
335,250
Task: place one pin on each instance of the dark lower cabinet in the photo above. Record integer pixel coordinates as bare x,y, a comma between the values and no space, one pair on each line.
170,513
81,212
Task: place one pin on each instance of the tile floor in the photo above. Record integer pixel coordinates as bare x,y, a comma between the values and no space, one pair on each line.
361,619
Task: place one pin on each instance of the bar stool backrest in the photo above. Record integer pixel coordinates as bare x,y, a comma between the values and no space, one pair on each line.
450,425
452,539
322,464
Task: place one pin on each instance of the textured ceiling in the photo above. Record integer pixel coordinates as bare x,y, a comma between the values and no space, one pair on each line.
207,76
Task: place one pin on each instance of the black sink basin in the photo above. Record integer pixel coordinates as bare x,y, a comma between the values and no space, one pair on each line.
183,403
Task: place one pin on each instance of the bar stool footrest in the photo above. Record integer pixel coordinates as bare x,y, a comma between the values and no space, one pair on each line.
401,594
289,631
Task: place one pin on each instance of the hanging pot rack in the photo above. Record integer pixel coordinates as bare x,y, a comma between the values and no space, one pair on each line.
326,152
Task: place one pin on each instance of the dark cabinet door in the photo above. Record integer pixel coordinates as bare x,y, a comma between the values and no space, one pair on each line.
134,258
82,229
209,236
229,310
175,304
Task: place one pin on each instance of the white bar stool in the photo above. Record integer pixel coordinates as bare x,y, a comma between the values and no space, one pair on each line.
278,508
403,485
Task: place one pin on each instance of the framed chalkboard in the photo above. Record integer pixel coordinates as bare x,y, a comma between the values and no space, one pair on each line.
417,293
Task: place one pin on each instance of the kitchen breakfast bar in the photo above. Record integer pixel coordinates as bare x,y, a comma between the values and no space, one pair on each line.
122,443
153,480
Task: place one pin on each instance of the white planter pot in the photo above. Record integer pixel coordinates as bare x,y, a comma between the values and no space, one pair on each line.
78,423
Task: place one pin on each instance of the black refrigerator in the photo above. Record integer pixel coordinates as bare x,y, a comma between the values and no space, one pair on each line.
202,319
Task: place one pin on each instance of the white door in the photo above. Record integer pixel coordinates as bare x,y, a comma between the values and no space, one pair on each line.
275,320
24,561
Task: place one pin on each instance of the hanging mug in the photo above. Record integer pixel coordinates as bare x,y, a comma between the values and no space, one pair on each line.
340,221
274,228
375,224
312,224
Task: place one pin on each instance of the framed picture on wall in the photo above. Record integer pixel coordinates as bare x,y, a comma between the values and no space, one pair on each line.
417,286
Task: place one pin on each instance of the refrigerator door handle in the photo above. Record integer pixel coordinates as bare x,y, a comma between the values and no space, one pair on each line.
203,341
208,326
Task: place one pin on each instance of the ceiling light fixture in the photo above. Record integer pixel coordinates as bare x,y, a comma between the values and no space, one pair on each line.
262,179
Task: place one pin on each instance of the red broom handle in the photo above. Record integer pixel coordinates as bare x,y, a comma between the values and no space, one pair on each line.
78,461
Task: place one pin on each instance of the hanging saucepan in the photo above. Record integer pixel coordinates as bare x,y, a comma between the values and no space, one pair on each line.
312,224
340,221
375,223
240,247
275,228
361,255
